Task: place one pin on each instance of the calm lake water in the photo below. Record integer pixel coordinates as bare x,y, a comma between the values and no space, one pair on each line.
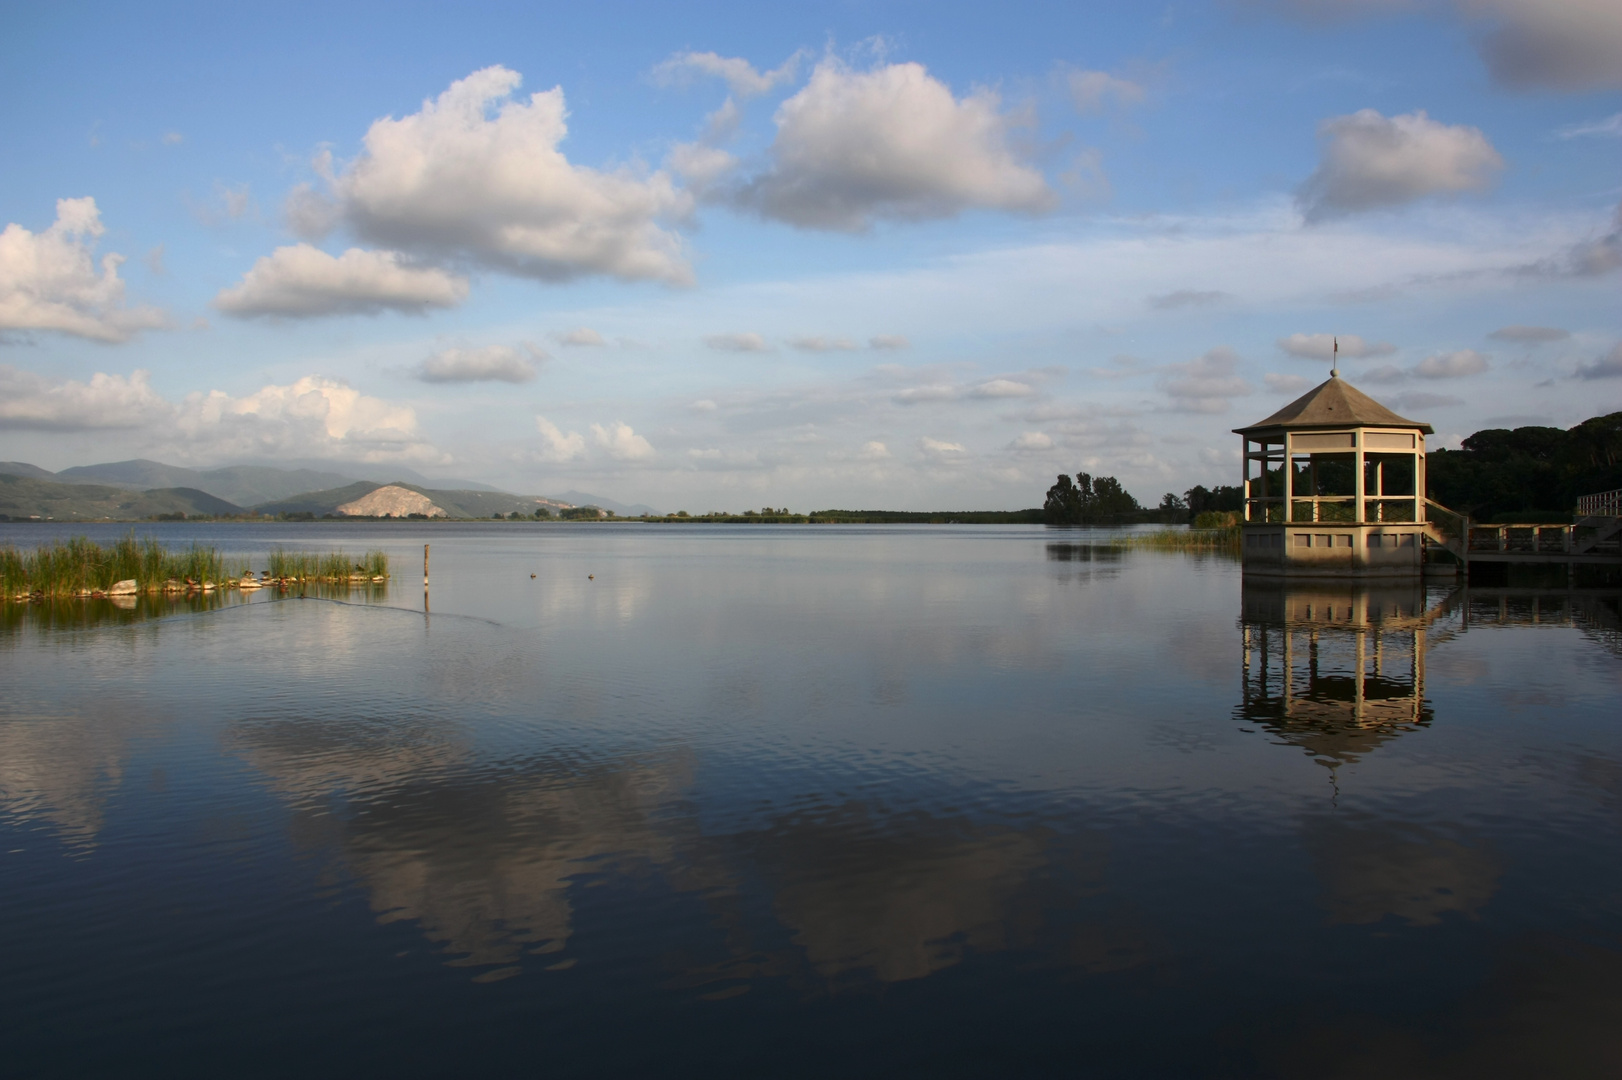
820,801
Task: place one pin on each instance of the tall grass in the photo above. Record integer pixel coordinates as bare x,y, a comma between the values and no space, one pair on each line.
69,567
1228,540
66,567
330,566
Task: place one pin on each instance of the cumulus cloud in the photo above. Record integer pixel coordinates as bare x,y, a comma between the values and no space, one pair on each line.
1451,365
313,417
1206,383
1570,45
1187,298
302,281
942,453
555,446
476,175
1032,442
1090,91
1322,346
1529,335
1608,366
888,341
492,363
748,342
35,402
1385,373
855,147
740,75
873,451
621,443
822,344
51,281
1285,384
1371,161
582,336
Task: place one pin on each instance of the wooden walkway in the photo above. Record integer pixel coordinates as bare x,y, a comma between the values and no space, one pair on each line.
1594,538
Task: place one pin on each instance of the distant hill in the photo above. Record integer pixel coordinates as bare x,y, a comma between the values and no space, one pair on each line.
580,498
24,497
22,468
457,503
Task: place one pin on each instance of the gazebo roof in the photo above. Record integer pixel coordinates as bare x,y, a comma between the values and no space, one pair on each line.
1333,404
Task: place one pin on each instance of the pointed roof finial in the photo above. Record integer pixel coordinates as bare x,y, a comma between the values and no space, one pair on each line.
1334,367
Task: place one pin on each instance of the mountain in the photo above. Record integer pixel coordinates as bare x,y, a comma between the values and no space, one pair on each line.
247,485
461,503
580,498
137,475
24,497
22,468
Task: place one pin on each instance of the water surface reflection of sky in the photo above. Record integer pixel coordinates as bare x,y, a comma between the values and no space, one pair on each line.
805,800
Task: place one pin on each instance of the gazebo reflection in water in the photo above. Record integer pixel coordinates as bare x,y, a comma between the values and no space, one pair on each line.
1334,667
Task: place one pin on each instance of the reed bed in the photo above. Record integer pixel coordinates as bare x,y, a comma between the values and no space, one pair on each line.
1228,540
80,566
287,565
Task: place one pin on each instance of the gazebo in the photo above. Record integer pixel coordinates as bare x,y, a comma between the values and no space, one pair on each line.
1334,485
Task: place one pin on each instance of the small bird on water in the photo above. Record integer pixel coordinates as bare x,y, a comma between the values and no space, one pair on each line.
591,577
532,575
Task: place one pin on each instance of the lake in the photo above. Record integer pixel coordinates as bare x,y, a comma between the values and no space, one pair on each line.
661,800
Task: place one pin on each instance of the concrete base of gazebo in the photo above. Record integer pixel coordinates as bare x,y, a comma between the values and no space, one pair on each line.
1321,549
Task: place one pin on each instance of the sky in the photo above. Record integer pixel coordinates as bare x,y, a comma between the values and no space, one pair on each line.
717,256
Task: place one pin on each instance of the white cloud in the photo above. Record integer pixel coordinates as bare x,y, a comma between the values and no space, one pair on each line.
1206,383
748,342
303,281
1608,366
1385,373
1032,442
703,405
1285,384
1002,388
873,451
1529,335
822,344
941,453
555,445
1586,258
621,443
740,75
1322,346
477,175
1372,161
1610,126
314,417
854,147
888,341
173,138
492,363
1568,45
1451,365
32,401
50,281
702,166
1090,91
582,336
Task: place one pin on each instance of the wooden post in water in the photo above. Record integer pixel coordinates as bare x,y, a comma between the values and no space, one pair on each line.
425,566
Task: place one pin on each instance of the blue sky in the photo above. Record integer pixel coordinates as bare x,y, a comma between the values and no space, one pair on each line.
717,256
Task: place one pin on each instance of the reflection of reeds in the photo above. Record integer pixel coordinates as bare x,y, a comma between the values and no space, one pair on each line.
1226,541
82,566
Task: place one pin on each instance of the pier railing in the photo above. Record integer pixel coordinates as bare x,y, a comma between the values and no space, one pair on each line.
1601,504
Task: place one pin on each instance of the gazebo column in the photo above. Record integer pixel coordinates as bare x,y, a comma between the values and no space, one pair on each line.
1357,478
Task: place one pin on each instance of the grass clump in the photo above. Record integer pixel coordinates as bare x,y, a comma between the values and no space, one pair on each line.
77,565
1226,540
331,566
